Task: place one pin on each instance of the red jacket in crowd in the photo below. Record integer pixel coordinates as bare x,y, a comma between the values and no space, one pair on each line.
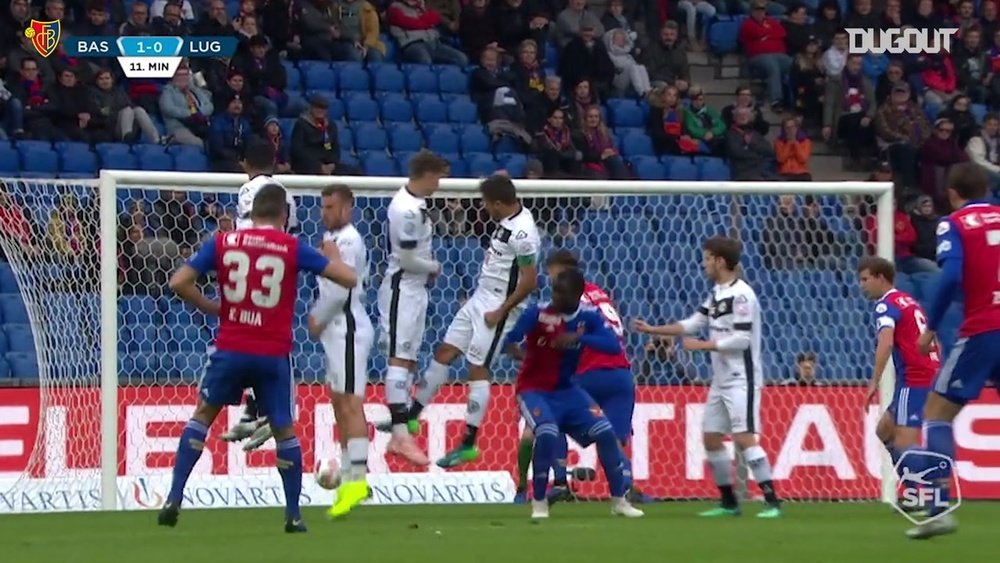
906,235
762,37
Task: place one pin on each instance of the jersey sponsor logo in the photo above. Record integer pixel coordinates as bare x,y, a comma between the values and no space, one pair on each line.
915,489
881,308
943,227
972,221
410,228
521,235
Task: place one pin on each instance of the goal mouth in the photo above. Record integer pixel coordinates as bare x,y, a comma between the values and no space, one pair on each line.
116,359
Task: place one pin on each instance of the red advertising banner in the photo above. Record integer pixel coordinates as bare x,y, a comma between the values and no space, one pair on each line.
820,440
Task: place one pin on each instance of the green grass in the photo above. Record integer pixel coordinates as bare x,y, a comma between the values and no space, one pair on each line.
578,533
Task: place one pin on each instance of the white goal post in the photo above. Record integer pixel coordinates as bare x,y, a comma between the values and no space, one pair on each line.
112,182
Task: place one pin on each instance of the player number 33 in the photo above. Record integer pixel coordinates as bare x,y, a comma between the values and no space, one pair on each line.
272,268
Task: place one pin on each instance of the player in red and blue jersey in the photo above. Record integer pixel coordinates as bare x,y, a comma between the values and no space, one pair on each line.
968,252
257,270
550,399
607,378
899,322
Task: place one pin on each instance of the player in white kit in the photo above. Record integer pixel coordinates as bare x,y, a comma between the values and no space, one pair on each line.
508,276
258,163
403,295
339,320
732,315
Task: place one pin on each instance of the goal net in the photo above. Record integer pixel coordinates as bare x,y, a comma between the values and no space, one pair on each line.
82,331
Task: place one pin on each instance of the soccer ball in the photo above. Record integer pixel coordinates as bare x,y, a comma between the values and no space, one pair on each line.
328,473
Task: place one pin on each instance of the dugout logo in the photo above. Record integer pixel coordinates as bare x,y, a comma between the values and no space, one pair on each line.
915,491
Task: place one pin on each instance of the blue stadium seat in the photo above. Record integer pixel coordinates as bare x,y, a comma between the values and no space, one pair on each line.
138,309
388,78
459,167
403,159
79,160
648,168
22,366
429,108
4,368
404,137
369,136
35,161
153,157
379,164
625,113
978,111
188,158
513,163
353,77
637,145
481,164
712,169
680,168
106,150
13,309
319,78
19,338
336,110
421,78
441,139
10,160
474,139
294,78
395,107
8,283
360,107
723,35
452,80
345,138
23,146
287,125
462,110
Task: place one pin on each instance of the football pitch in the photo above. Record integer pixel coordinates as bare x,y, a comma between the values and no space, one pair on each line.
576,533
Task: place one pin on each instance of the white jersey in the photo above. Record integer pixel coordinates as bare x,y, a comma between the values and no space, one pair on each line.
351,314
731,308
248,192
409,228
515,238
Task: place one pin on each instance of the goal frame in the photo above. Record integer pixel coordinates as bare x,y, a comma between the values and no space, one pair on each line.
110,181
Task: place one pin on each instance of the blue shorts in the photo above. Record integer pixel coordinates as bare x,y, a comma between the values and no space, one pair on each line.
227,374
973,361
907,408
614,392
571,410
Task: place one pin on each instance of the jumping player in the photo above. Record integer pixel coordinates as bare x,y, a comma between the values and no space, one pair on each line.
968,252
257,270
607,378
550,400
899,322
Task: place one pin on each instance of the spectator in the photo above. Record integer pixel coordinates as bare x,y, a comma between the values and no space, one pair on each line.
247,22
518,21
750,155
477,30
690,9
485,80
792,149
554,146
705,124
59,239
966,17
215,21
451,16
925,222
15,225
529,76
552,99
317,26
144,262
42,68
186,109
992,78
808,82
236,85
315,149
96,24
849,111
18,18
266,80
892,17
571,21
282,25
414,27
73,113
820,240
965,123
230,132
171,23
630,74
763,41
159,8
128,122
835,58
804,374
614,18
937,155
902,127
176,218
745,99
586,58
984,149
29,90
875,64
273,135
988,23
828,22
583,97
782,237
666,60
972,66
939,79
894,75
358,40
661,365
665,123
12,114
138,23
862,16
598,147
925,16
798,31
904,238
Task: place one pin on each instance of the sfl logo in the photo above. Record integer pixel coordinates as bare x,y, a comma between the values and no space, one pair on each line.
918,491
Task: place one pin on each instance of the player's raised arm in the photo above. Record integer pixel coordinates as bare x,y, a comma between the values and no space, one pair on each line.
183,281
691,325
409,260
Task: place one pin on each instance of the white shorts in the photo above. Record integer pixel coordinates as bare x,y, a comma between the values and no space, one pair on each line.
347,355
732,410
402,314
468,332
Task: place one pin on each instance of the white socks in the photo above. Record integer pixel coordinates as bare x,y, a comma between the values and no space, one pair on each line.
357,456
397,392
722,467
757,462
479,399
435,376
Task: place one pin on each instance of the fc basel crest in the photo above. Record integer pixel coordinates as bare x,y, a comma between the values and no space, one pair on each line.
44,36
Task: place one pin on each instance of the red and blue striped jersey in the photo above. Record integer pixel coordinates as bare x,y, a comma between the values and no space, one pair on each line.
902,313
592,360
969,254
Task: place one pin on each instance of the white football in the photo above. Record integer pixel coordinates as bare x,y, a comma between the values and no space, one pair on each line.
328,473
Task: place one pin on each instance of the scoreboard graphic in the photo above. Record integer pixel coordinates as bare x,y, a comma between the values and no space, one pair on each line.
139,57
